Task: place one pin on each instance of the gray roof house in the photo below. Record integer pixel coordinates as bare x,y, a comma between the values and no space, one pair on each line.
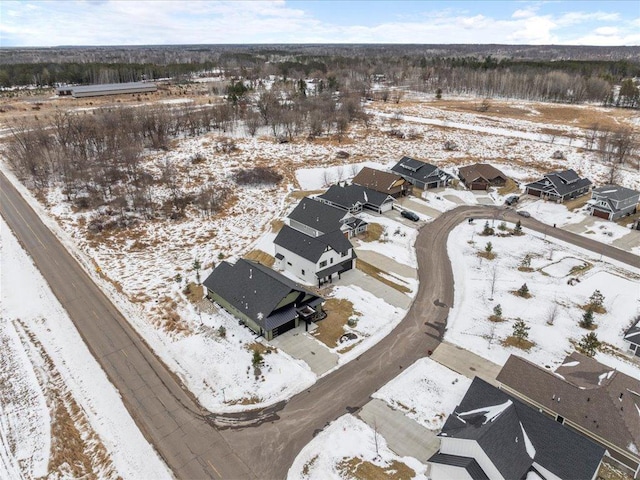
422,175
596,400
353,198
559,186
315,260
262,299
632,337
316,218
612,202
492,435
81,91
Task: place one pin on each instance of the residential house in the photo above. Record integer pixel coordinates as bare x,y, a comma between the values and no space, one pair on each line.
262,299
481,176
420,174
612,202
632,337
591,398
354,198
315,260
559,186
315,218
383,182
491,435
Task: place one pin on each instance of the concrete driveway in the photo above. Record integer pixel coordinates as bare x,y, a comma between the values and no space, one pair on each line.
419,206
373,286
406,437
299,344
629,241
466,363
385,263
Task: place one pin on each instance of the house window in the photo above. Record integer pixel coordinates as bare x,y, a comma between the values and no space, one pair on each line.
303,272
289,263
344,254
323,263
560,419
331,260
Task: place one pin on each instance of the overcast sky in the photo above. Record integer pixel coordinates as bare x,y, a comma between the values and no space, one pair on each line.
151,22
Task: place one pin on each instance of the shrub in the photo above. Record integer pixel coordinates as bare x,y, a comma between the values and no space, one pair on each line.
257,176
523,291
487,230
222,331
589,344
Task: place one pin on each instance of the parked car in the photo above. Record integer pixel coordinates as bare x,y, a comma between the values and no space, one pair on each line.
410,215
512,200
523,213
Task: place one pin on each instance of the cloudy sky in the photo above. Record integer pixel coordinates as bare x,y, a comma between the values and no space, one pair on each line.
151,22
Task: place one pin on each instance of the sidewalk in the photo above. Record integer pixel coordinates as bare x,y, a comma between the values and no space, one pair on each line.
299,344
466,363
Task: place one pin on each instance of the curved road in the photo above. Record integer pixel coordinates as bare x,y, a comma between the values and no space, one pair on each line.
182,432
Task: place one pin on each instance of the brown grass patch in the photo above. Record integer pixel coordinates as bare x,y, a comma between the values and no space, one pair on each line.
576,203
512,341
359,469
594,308
510,186
348,348
517,294
373,233
252,400
609,472
496,319
261,257
276,225
307,466
487,255
376,273
193,292
261,348
330,329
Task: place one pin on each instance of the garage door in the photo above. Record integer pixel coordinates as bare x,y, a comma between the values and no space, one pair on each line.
283,328
600,213
479,186
535,193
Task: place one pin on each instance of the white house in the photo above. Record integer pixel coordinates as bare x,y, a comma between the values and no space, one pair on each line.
612,202
314,260
315,218
492,435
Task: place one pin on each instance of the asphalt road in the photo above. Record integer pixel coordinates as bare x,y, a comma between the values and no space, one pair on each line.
265,447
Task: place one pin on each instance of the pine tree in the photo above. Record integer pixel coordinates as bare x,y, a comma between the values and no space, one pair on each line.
487,230
526,261
520,330
257,359
596,300
518,228
589,344
488,247
523,291
587,319
497,311
197,266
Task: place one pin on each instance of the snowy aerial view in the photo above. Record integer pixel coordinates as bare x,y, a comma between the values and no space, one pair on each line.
310,256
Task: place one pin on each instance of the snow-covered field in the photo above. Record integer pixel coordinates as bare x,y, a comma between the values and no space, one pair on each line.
553,264
47,370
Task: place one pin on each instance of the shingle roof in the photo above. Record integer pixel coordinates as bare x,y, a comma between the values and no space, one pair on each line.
615,192
633,333
318,215
103,87
256,291
377,180
486,171
469,464
514,436
416,169
596,397
308,247
562,182
349,195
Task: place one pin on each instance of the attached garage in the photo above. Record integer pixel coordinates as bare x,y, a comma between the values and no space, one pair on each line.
535,193
600,213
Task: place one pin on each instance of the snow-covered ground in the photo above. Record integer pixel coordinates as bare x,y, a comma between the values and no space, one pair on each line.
47,367
552,263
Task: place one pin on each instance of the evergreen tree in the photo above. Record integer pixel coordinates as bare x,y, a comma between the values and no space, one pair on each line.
596,300
518,228
197,266
520,330
257,359
497,311
589,344
488,247
523,291
526,261
587,319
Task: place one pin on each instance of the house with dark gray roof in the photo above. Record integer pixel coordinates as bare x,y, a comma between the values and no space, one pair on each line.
612,202
383,182
559,186
314,260
492,435
314,218
354,198
81,91
632,337
421,174
596,400
262,299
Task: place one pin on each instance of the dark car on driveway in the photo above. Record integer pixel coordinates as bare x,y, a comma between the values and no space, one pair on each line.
511,200
410,215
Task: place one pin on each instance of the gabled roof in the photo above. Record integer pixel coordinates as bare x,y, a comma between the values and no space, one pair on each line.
318,215
377,180
615,192
485,171
311,248
563,182
596,397
349,195
633,333
418,170
256,291
515,436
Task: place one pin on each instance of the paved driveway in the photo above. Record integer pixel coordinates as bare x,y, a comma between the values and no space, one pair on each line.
299,344
466,363
373,286
406,437
385,263
419,206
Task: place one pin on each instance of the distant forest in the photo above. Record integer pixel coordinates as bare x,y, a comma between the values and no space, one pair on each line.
548,73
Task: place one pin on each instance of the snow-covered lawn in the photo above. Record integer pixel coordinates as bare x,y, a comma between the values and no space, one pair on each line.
554,264
426,392
397,241
47,367
345,443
